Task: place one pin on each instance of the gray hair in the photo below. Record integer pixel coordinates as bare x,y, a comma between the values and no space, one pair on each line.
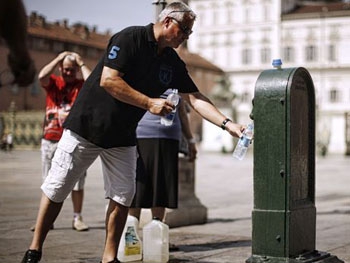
177,10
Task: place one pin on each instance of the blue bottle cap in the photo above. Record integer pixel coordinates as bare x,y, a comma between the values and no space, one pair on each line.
277,62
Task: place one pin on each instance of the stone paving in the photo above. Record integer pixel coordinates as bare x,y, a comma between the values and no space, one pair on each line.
223,185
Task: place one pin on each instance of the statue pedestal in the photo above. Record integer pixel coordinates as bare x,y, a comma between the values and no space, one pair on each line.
190,210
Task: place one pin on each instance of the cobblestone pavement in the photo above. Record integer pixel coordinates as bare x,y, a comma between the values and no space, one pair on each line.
223,185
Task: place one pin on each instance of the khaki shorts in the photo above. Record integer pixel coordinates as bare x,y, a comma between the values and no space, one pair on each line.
73,157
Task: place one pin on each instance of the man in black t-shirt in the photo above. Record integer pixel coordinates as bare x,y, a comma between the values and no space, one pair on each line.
140,63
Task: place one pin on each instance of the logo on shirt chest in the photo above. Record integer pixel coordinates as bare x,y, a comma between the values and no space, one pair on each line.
165,74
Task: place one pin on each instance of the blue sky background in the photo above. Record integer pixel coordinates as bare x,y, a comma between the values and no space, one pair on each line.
105,14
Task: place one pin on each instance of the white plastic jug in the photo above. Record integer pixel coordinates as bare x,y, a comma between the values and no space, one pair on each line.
130,247
156,242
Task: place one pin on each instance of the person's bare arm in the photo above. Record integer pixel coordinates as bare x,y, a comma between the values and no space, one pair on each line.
208,111
13,29
84,69
112,82
47,70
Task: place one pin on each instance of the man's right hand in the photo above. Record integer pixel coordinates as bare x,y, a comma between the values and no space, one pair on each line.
160,106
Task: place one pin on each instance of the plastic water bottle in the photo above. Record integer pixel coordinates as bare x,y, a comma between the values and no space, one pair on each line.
277,63
174,98
243,142
156,242
130,247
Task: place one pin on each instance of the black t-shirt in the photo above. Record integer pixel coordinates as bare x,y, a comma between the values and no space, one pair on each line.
108,122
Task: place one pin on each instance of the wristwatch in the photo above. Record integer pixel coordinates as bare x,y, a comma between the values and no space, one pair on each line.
223,125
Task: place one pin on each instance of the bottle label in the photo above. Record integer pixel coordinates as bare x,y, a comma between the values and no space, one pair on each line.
170,116
245,141
132,244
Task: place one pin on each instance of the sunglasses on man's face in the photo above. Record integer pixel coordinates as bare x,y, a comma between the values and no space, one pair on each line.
69,69
186,30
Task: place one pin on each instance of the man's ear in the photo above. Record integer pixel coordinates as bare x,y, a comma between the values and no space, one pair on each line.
167,22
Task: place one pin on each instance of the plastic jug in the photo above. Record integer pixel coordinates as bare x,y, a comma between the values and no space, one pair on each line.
130,247
156,242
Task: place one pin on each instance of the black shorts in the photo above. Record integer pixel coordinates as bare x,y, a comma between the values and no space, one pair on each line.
157,174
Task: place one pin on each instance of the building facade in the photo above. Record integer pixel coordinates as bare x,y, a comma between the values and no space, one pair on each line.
244,36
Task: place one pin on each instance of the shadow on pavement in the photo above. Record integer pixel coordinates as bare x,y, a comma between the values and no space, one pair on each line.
214,245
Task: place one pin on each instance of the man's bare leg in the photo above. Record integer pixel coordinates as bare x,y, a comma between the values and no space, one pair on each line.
77,200
158,212
136,212
115,221
48,212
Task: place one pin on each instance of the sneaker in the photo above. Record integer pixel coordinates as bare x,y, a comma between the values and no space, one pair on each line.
32,256
79,225
33,228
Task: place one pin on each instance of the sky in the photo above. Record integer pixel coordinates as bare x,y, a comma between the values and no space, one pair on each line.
110,15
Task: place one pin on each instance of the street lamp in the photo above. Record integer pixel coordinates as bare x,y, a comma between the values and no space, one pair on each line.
224,98
222,93
160,2
159,6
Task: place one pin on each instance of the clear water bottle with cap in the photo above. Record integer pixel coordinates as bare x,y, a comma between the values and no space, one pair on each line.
156,242
277,63
174,98
243,142
130,248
